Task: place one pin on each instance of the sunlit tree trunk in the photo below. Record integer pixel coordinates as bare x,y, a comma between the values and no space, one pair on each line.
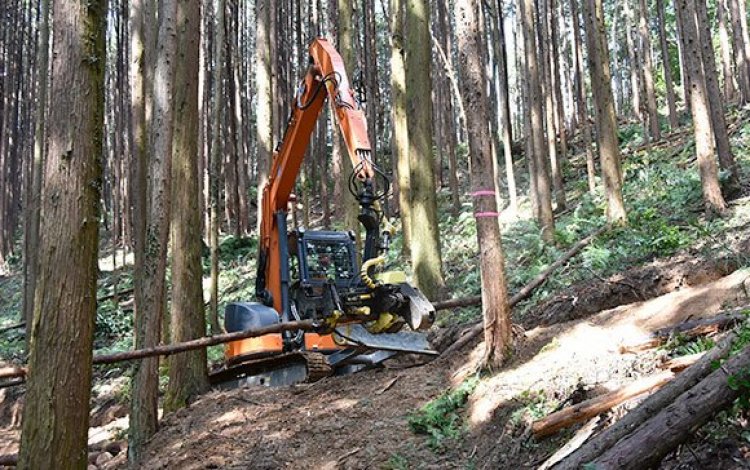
606,136
187,371
56,414
495,309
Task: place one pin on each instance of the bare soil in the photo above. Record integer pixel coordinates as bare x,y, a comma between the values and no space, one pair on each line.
361,421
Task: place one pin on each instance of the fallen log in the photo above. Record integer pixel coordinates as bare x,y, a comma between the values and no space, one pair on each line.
578,439
655,438
115,294
169,349
648,408
678,364
590,408
691,329
12,327
12,372
522,294
9,460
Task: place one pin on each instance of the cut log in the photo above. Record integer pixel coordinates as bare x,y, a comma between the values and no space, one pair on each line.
577,441
648,408
8,460
12,372
473,331
678,364
655,438
691,329
590,408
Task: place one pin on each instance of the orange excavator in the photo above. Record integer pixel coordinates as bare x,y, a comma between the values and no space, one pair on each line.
361,311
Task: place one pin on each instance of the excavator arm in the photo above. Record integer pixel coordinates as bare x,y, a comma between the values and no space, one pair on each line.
326,77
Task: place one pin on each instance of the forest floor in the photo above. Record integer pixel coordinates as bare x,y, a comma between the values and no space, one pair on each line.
668,266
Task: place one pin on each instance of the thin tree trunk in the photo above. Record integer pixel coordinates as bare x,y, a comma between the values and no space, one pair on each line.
648,71
187,372
606,136
495,309
150,298
730,88
699,107
583,115
666,63
538,156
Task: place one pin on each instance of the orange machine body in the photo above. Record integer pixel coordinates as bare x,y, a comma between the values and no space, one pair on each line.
325,78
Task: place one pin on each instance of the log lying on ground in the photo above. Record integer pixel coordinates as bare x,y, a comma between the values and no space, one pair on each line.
673,425
169,349
524,293
12,372
648,408
116,294
590,408
689,329
678,364
8,460
12,327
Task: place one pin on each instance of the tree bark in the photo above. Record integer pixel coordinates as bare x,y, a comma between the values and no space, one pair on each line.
33,214
187,372
606,136
741,45
730,88
666,63
583,115
705,146
538,157
56,415
495,308
588,409
150,295
423,222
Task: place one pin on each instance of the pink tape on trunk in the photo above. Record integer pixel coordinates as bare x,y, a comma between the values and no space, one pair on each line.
484,215
483,192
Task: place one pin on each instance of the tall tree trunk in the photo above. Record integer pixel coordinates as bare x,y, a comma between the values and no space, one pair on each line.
606,136
583,115
346,45
214,172
150,299
400,139
505,120
699,107
187,371
40,146
648,71
667,64
264,110
425,233
741,44
730,88
495,309
538,156
56,415
716,104
550,115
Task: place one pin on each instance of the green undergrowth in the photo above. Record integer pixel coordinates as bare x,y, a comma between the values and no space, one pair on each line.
662,193
442,418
